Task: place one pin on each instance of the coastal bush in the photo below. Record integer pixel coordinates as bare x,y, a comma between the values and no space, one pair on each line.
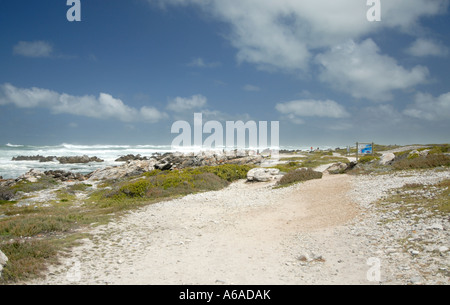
28,187
413,156
26,259
288,167
299,175
228,172
429,161
160,184
78,187
439,149
367,159
6,194
136,189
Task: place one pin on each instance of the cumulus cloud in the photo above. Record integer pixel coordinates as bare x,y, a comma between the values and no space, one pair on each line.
426,47
284,34
361,71
296,110
428,107
182,104
33,49
104,106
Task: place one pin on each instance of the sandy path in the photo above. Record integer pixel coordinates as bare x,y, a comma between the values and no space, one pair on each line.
244,234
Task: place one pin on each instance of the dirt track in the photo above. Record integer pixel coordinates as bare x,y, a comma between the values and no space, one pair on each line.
244,234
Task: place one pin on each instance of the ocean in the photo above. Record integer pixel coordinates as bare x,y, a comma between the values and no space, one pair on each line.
109,153
12,169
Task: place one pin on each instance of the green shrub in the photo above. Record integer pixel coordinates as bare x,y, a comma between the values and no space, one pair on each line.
28,187
80,187
160,184
430,161
413,156
288,167
367,159
152,173
228,172
298,175
136,189
26,259
440,149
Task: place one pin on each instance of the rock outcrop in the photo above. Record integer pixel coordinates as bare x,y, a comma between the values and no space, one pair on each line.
262,174
387,158
64,176
31,176
131,168
337,168
340,167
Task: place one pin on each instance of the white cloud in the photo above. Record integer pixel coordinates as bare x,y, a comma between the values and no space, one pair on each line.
428,107
296,110
200,63
103,107
151,114
360,70
181,104
426,47
33,49
284,34
251,88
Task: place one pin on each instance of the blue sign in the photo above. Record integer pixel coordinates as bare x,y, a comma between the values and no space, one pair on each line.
366,149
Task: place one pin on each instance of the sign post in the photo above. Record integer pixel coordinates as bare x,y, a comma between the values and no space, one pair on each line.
364,149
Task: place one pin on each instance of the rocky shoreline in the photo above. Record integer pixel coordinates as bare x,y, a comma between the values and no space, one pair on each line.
135,165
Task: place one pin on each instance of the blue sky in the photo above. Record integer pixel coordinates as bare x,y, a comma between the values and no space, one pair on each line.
129,69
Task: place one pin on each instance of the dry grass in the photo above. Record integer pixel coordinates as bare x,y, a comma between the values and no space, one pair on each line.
430,161
299,175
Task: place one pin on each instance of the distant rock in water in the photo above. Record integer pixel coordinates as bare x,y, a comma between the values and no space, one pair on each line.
35,158
62,160
78,159
131,158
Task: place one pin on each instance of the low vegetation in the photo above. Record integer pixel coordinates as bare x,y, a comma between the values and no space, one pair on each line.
418,198
299,175
312,160
417,203
419,162
368,158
